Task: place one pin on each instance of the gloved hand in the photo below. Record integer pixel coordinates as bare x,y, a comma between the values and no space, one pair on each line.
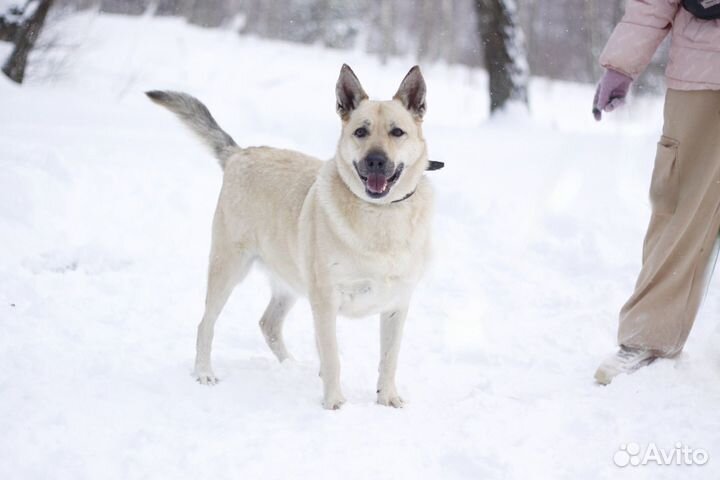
611,92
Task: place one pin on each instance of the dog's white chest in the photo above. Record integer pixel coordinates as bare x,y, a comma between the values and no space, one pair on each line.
366,291
371,257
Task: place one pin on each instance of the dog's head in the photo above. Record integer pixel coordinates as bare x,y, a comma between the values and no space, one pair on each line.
381,154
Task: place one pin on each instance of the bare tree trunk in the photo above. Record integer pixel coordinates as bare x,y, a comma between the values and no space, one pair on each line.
448,33
618,11
426,30
125,7
531,15
208,13
386,27
591,24
505,57
168,7
25,38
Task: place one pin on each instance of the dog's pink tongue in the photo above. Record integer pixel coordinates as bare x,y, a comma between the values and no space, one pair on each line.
376,182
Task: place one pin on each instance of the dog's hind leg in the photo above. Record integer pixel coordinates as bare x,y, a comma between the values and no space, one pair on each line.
227,268
272,320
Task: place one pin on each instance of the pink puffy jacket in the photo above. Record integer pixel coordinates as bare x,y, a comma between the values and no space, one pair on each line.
694,62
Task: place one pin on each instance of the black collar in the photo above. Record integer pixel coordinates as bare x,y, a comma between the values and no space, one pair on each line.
404,198
433,165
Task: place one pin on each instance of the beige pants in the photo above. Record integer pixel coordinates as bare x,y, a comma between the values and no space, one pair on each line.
678,252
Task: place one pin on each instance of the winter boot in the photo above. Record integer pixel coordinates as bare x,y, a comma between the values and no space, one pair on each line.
626,360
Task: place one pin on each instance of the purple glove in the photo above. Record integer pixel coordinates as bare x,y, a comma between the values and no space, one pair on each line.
611,92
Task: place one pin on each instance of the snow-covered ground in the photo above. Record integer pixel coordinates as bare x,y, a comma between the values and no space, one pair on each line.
105,210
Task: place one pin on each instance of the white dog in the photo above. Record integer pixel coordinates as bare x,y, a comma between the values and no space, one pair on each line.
352,233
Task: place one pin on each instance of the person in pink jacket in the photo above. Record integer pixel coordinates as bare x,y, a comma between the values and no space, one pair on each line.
680,246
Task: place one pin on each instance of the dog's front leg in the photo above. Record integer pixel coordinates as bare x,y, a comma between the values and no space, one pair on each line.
325,316
391,328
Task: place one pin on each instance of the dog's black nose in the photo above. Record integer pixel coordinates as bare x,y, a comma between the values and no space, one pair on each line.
376,162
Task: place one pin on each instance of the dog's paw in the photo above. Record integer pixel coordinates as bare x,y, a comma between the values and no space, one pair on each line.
206,378
390,400
333,402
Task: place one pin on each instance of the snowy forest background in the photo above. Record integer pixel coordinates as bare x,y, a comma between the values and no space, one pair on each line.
106,206
563,38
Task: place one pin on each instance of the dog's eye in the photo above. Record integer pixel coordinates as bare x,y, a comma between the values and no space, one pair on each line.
361,132
397,132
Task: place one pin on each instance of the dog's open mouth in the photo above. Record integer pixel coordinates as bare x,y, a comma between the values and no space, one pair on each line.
377,185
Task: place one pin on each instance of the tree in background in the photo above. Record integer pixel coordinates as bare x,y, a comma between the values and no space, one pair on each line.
504,49
206,13
26,28
386,30
563,37
127,7
332,23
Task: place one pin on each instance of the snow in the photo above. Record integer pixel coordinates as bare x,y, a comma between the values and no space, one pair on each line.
18,11
105,211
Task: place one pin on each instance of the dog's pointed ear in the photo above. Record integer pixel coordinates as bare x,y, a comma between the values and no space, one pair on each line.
349,92
412,93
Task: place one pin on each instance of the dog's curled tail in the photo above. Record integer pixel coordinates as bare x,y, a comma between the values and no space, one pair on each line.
198,118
